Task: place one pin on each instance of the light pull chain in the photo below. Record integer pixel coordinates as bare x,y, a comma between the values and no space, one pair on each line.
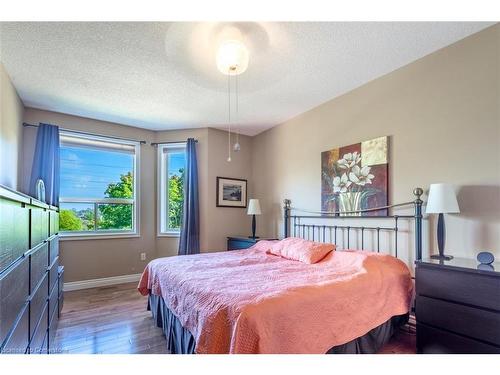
229,115
237,144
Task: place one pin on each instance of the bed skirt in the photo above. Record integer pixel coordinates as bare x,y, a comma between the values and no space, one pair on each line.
181,341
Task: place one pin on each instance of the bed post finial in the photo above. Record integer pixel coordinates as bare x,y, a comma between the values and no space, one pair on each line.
418,192
418,222
287,203
286,217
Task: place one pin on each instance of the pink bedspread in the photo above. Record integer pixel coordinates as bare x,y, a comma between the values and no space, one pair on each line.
247,301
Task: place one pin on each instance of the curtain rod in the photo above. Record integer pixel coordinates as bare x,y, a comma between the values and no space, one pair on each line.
99,135
167,143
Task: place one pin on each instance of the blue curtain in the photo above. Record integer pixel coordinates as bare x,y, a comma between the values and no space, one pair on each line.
46,163
190,229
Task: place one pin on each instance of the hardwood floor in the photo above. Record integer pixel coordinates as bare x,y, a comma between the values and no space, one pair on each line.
114,320
403,342
108,320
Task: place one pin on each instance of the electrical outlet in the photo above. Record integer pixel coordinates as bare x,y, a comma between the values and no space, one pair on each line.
143,256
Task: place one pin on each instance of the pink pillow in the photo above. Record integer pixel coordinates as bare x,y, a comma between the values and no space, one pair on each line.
302,250
263,245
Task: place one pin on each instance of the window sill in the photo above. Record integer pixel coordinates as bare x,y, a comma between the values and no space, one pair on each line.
173,234
106,236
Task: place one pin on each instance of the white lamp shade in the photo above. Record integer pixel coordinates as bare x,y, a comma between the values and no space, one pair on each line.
253,207
442,200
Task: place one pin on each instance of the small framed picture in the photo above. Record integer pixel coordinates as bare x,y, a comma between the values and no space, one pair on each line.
231,192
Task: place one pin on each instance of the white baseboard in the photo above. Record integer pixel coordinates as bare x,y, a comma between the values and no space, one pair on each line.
94,283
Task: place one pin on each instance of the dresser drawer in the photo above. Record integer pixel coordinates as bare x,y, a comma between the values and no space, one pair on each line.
53,249
54,296
38,303
53,222
14,232
39,225
53,273
61,279
14,292
45,344
473,322
54,320
60,304
435,341
17,342
37,341
464,287
38,264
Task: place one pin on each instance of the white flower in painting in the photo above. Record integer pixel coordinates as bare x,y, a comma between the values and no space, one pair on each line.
341,184
361,176
349,160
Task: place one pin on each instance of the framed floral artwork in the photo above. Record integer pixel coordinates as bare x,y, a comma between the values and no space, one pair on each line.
356,177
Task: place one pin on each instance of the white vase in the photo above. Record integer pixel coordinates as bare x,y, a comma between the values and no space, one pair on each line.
350,201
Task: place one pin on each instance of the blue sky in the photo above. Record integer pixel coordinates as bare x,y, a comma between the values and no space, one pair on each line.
175,161
86,173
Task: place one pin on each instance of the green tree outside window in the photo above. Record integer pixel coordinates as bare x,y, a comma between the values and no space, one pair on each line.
175,199
69,221
117,216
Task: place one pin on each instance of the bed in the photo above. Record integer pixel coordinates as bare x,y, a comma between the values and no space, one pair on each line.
250,301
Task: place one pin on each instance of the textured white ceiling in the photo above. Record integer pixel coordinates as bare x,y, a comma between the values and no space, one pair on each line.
163,75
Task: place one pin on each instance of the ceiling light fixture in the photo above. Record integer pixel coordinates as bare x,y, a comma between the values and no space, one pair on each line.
232,60
232,57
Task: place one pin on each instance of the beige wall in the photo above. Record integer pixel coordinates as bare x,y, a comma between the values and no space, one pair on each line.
224,221
11,118
442,116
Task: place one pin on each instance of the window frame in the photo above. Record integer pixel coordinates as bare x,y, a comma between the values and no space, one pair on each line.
135,201
162,198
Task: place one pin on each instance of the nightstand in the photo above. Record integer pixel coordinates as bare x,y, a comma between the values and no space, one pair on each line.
457,306
242,242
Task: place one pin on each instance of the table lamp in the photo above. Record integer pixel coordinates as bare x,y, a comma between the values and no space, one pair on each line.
253,209
441,200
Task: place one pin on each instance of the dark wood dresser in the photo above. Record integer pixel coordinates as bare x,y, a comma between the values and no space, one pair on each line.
242,242
30,276
457,307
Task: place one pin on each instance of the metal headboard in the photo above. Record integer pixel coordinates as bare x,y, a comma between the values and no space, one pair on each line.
294,227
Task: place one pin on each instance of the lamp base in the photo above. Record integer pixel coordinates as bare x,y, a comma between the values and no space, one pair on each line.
442,257
441,240
253,228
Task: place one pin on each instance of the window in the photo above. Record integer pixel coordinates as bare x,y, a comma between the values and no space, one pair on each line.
98,185
171,164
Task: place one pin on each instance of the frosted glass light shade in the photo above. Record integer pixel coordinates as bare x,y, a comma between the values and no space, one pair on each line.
442,200
253,207
232,57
